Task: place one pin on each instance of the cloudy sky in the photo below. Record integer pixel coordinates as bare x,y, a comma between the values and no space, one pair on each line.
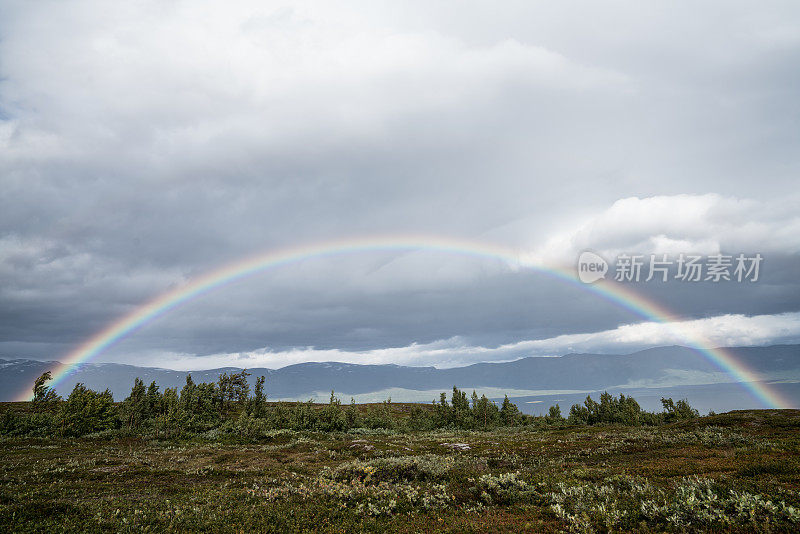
144,144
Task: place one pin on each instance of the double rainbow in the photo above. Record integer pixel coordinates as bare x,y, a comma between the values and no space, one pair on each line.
235,271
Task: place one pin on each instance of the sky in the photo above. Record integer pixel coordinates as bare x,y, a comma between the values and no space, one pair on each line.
147,143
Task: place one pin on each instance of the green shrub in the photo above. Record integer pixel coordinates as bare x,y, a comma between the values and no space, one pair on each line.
28,424
86,411
505,488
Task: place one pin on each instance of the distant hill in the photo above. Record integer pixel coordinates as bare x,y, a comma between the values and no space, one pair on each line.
649,370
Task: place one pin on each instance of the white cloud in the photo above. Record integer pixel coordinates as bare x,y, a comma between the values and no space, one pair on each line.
705,224
720,331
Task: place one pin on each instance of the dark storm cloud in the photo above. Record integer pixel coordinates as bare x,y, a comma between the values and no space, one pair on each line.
141,148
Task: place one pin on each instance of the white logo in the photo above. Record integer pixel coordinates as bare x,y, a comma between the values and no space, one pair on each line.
591,267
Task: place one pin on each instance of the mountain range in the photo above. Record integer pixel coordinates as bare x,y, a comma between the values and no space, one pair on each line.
530,380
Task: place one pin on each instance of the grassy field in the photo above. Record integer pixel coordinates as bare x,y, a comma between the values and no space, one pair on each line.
731,472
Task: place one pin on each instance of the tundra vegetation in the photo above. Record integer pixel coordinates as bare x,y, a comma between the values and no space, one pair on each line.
216,457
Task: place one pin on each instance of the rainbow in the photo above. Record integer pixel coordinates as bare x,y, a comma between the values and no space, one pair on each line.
232,272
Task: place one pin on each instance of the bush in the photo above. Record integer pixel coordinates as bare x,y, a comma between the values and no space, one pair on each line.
505,488
380,416
44,397
28,424
426,467
86,411
626,411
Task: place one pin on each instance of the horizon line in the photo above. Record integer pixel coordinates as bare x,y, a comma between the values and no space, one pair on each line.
77,365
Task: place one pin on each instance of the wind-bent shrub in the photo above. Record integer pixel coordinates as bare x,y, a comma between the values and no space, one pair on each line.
678,411
44,397
626,411
86,410
258,404
510,414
